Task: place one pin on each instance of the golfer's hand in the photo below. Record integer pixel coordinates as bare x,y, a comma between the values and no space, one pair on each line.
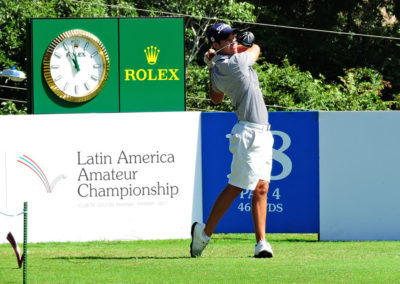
208,58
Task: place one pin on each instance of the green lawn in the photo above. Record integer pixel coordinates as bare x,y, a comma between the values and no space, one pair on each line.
299,258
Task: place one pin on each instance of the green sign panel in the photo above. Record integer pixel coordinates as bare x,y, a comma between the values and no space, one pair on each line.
152,65
107,65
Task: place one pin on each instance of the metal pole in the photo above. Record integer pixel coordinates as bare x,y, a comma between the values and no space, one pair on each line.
25,254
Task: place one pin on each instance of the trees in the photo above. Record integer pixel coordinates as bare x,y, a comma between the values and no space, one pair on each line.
312,53
332,54
199,15
14,16
286,87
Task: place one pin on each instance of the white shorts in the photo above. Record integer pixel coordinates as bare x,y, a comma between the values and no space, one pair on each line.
251,146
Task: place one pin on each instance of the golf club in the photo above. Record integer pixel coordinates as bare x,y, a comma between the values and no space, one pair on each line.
215,52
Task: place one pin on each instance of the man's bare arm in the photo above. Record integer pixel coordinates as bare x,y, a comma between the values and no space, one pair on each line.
216,97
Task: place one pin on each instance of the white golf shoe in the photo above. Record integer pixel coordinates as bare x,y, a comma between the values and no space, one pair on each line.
263,250
199,239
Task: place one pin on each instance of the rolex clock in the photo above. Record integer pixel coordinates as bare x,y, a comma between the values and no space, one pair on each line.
76,66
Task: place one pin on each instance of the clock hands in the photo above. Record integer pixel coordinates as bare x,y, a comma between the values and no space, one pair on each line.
76,58
76,61
73,56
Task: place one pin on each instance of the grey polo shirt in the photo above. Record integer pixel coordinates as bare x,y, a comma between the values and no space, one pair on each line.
234,76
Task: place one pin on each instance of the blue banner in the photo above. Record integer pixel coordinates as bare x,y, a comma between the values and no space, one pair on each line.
293,197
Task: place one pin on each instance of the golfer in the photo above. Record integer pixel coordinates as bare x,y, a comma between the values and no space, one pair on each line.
250,140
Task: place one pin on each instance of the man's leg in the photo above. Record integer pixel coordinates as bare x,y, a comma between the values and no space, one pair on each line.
259,212
259,209
221,205
201,233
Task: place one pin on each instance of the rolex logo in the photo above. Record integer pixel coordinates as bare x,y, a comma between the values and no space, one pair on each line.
152,54
149,74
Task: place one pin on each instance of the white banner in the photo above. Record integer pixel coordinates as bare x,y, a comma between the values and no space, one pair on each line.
359,176
122,176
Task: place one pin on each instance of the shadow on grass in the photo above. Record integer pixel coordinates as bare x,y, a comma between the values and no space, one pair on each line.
295,241
116,258
231,238
272,240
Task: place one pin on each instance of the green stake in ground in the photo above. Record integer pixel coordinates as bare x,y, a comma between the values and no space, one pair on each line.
25,255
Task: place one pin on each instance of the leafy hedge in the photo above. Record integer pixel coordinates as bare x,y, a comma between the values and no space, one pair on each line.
286,87
9,107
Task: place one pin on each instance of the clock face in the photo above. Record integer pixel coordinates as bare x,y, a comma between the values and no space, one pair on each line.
76,66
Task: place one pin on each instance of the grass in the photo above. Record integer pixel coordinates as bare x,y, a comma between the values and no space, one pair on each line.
299,258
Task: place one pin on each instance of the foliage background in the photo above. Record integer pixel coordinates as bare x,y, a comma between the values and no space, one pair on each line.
299,70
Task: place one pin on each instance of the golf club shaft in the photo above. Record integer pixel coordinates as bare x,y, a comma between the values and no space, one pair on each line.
215,52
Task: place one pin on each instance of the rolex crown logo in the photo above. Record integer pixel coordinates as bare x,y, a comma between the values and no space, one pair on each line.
152,54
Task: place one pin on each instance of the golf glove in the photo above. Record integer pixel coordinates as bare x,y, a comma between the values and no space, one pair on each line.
208,59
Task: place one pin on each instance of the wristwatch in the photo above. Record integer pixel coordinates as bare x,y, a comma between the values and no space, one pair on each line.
76,66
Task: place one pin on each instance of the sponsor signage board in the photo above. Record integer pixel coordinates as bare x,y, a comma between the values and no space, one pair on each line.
293,197
101,176
107,65
152,68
